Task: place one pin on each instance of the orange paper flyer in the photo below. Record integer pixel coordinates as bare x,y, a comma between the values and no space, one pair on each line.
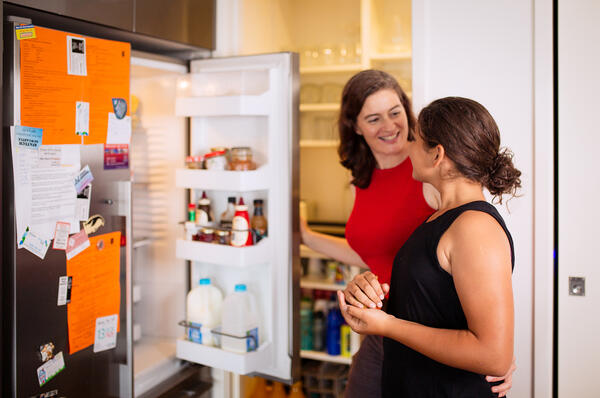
96,291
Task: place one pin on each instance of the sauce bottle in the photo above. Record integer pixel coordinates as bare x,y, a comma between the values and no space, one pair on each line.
227,216
204,214
259,222
240,229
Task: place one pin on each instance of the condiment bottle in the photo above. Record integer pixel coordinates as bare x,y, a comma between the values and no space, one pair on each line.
259,222
192,212
227,216
240,229
204,215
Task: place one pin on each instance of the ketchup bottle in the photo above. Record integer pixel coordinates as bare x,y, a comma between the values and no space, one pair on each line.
241,234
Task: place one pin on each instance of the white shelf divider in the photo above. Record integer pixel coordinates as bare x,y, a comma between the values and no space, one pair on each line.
227,180
221,359
222,254
323,356
235,105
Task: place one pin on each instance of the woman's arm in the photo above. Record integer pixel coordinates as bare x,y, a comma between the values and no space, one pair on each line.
478,252
331,246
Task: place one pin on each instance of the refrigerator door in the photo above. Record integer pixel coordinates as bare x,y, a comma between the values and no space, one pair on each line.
250,102
36,319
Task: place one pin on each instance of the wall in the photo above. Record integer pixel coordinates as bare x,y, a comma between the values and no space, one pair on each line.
485,51
579,187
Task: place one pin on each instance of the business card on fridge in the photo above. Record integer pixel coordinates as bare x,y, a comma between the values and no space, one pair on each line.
50,369
77,243
34,243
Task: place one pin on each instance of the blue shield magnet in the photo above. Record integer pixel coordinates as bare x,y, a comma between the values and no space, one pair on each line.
120,107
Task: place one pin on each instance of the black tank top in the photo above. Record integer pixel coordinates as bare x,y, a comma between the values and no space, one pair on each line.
421,291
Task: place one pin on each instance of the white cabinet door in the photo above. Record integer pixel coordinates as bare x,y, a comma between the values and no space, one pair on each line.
248,101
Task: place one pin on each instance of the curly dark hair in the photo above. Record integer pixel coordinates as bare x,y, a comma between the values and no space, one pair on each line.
354,151
471,139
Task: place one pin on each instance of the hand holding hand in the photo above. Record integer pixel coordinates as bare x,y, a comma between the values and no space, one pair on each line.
364,320
365,291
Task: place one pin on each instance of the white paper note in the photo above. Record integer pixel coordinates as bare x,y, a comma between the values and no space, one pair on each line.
106,333
82,118
61,235
50,369
119,131
64,290
76,56
82,205
34,243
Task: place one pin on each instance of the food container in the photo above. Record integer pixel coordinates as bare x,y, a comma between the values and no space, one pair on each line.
207,235
222,237
241,159
194,162
215,160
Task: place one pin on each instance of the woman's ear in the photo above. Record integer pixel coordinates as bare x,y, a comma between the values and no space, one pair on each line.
439,153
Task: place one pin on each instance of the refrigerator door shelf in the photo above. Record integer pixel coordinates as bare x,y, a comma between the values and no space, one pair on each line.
238,181
242,364
224,255
237,105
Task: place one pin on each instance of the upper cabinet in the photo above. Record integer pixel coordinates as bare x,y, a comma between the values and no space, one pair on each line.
189,22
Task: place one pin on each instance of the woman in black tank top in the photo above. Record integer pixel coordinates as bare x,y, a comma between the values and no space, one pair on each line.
449,316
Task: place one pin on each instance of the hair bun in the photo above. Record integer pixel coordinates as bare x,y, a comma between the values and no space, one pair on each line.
502,176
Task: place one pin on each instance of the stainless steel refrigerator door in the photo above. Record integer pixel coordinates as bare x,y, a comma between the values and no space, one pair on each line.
36,319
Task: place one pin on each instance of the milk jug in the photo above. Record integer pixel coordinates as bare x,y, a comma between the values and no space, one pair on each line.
204,304
240,318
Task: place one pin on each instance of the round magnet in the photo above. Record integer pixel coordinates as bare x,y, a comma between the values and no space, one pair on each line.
100,244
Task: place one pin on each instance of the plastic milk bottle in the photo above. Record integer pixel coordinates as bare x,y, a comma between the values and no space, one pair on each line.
204,304
240,318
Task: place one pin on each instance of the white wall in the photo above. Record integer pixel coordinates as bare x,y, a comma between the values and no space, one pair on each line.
484,50
579,188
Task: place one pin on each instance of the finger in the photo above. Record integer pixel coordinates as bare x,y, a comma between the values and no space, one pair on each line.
502,388
386,288
351,300
372,279
365,285
341,300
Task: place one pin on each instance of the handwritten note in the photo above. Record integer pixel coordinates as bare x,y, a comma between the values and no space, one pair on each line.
96,291
106,333
119,130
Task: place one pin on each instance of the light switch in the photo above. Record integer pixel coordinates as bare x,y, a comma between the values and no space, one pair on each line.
576,286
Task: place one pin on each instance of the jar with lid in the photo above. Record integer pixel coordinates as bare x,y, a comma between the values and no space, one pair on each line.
241,159
194,162
215,160
207,235
222,237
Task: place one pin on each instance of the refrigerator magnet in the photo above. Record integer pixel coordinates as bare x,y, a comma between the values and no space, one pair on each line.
93,224
49,394
46,352
116,156
64,290
24,32
61,235
28,137
34,243
120,107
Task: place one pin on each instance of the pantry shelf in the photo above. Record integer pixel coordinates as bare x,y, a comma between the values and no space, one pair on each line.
220,359
400,56
319,107
319,143
222,254
235,105
323,356
331,68
320,285
223,180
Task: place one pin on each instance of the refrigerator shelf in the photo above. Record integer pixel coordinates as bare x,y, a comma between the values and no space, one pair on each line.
239,181
223,255
235,105
221,359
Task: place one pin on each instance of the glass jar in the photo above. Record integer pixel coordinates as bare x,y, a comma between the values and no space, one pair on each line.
241,159
222,237
215,160
194,162
207,235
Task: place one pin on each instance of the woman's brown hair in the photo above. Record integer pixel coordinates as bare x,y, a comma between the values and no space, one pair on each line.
471,139
354,152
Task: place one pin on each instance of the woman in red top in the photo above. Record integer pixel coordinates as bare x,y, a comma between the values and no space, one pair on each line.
375,123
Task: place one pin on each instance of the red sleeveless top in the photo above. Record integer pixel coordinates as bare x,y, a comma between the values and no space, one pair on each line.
385,214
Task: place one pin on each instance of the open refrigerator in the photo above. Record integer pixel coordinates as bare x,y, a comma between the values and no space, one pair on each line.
227,102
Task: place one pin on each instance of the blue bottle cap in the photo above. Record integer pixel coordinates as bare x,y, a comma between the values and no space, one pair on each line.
205,281
240,287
